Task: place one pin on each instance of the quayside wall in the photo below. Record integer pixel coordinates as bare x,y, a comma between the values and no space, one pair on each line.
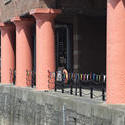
26,106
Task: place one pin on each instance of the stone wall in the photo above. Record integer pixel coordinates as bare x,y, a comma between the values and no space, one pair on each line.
20,7
24,106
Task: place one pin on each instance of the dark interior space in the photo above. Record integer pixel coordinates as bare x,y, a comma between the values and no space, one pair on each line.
92,44
88,42
64,47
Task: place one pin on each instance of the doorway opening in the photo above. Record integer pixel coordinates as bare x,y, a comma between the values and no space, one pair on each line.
64,47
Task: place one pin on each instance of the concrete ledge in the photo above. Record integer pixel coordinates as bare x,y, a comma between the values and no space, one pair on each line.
26,106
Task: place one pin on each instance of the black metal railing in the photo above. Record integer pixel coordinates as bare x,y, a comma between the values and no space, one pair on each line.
76,83
82,84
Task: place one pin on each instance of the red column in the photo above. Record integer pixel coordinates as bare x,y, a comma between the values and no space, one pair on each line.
24,44
115,52
45,46
7,52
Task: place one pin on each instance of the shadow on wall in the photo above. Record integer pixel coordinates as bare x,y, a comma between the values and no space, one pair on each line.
115,2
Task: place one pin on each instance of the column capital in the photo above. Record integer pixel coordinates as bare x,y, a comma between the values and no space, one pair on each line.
45,13
7,26
22,21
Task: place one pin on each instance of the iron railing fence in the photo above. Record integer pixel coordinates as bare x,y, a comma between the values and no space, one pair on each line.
75,83
72,83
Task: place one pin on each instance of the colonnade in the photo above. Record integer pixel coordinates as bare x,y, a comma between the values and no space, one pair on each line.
45,55
21,59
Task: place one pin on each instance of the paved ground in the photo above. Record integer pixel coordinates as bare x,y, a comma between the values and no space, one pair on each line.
97,95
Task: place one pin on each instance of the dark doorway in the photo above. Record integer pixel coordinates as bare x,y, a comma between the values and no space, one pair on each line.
64,47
